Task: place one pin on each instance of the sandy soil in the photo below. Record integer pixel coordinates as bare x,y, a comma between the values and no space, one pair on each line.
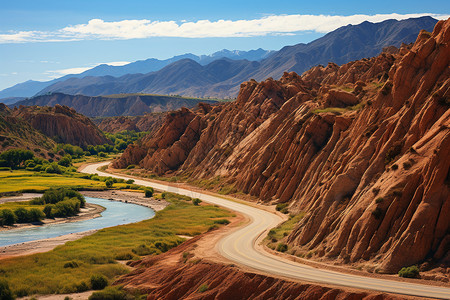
91,211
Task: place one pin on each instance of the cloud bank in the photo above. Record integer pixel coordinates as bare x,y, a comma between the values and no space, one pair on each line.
97,29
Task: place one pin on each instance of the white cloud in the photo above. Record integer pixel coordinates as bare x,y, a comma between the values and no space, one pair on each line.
138,29
78,70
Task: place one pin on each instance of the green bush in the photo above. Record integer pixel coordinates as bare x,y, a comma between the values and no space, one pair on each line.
48,211
196,201
130,181
109,293
149,192
65,161
222,221
22,215
377,213
5,291
15,158
282,247
109,183
71,264
131,167
98,282
203,288
53,168
8,217
35,215
409,272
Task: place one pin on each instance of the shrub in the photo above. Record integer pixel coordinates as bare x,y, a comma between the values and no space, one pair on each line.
81,287
15,158
98,282
282,247
102,154
379,200
409,272
123,256
22,215
129,181
109,293
377,213
71,264
196,201
48,211
109,183
280,206
203,288
131,167
53,168
394,167
222,221
142,250
148,192
65,161
5,291
35,215
8,217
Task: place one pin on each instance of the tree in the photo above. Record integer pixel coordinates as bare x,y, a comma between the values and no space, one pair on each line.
65,161
109,183
22,215
9,218
196,201
15,158
149,192
35,215
48,211
53,168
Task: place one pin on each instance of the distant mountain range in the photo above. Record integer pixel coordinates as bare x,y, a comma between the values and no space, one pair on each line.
31,87
222,77
114,105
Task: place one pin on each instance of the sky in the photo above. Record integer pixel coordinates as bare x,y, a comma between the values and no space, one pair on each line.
46,39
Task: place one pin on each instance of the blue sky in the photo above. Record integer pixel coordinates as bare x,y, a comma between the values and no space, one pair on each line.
44,39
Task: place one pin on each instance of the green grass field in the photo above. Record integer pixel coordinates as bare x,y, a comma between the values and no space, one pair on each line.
45,273
278,233
21,180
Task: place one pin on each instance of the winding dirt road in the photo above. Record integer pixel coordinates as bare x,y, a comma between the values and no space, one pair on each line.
241,247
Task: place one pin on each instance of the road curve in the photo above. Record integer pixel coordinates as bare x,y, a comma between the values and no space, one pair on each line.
240,246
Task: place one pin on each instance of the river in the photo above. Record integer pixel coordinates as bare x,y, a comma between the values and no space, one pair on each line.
116,213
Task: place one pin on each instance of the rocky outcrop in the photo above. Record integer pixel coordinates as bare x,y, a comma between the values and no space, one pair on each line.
63,124
17,133
148,122
362,148
172,275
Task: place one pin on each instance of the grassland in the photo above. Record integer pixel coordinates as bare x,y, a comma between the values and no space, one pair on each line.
277,234
22,181
68,268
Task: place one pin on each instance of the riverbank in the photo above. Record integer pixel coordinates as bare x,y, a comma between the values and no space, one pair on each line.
91,211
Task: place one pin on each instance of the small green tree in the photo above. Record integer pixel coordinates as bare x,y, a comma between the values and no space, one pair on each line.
9,218
149,192
48,211
409,272
196,201
22,215
35,215
109,183
65,161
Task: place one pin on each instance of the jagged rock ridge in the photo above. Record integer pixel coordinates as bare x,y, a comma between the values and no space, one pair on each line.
362,148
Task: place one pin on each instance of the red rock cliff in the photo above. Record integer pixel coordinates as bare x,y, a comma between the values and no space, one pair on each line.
62,123
362,148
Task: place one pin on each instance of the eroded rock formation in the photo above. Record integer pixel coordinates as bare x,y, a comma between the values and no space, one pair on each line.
362,148
63,124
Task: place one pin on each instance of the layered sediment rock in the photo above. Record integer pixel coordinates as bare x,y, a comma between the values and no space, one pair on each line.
362,148
63,124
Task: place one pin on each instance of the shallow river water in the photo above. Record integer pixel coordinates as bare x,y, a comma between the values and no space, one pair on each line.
116,213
